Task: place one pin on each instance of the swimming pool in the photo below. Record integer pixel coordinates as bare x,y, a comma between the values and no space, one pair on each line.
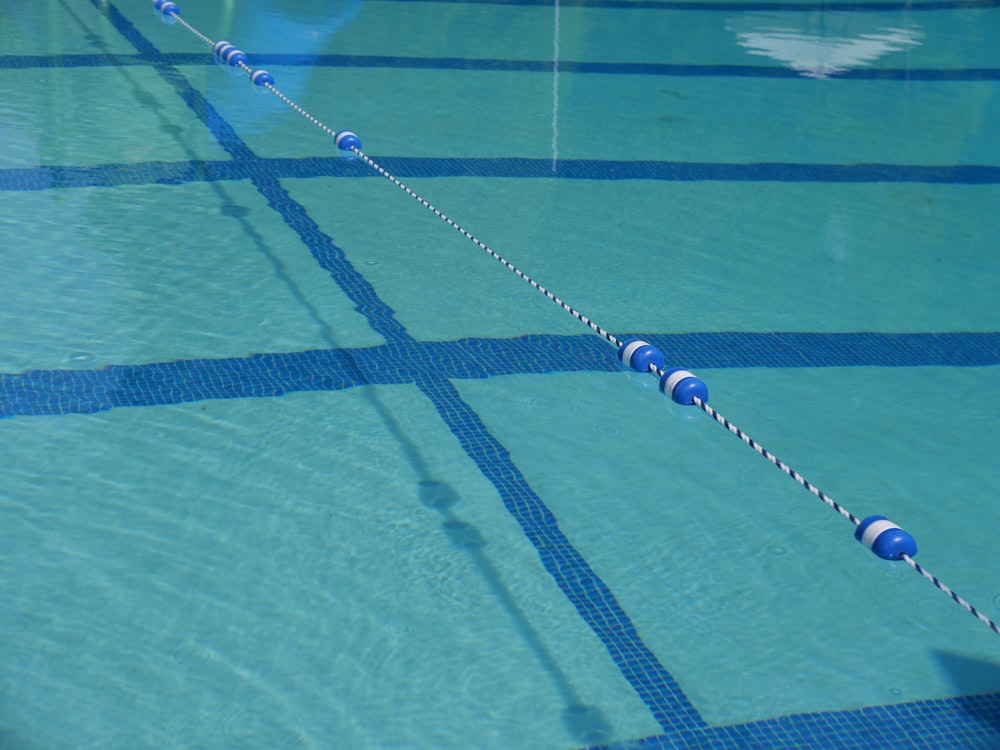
288,464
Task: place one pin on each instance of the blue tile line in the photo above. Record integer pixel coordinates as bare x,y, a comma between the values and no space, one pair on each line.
331,258
50,392
966,723
274,169
566,67
592,598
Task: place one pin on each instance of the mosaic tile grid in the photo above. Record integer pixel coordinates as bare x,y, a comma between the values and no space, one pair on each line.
968,722
582,586
445,63
962,722
172,173
39,392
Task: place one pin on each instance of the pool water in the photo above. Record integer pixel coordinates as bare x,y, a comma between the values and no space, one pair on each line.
288,463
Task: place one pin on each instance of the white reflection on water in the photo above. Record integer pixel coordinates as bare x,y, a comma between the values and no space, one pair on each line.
821,44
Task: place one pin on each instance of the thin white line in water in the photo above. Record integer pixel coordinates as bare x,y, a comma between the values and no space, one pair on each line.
555,89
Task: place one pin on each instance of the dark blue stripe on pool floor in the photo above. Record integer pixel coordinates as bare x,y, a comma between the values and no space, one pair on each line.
404,167
40,392
590,596
966,723
566,67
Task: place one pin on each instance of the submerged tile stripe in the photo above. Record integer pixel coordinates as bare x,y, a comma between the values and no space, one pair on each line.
566,67
42,392
332,259
588,593
678,70
969,722
271,170
809,349
116,175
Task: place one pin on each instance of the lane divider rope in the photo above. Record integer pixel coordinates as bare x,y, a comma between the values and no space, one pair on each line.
883,537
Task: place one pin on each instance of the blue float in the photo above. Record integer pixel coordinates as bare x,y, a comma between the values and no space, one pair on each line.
347,141
639,355
229,53
165,7
683,387
262,78
885,538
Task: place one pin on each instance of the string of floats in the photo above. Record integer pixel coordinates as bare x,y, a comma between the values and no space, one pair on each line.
883,537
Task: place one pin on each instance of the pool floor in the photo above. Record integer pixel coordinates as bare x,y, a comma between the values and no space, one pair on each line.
290,463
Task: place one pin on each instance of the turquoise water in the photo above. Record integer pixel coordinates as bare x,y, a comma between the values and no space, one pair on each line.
336,567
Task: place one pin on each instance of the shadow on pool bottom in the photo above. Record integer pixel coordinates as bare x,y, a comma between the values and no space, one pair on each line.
585,724
972,676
